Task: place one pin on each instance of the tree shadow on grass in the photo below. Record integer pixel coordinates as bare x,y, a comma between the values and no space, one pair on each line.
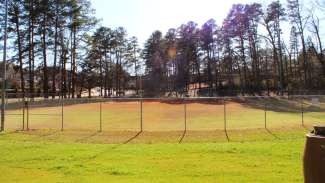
278,104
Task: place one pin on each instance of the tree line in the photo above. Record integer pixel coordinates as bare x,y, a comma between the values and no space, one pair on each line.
246,54
48,31
59,49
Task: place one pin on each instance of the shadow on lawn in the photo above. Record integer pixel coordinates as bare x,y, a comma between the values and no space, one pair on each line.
133,137
289,105
275,104
271,133
115,146
182,137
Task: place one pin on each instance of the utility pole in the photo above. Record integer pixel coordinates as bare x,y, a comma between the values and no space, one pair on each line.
4,70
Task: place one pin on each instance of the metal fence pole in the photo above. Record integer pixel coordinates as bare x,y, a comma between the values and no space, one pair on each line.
185,117
302,111
225,118
62,114
141,115
27,110
23,114
265,110
100,117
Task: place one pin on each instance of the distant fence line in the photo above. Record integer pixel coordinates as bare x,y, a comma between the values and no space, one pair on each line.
215,93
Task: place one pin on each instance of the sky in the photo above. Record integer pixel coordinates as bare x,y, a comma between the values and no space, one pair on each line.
142,17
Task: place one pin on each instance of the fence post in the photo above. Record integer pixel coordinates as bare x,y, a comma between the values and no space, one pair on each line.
23,113
265,110
302,111
27,110
225,118
141,115
100,117
62,114
185,117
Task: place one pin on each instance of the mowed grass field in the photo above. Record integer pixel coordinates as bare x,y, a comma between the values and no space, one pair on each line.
54,156
162,152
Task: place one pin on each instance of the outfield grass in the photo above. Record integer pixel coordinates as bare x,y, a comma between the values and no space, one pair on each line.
47,156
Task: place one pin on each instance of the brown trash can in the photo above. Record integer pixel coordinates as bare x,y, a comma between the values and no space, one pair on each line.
314,157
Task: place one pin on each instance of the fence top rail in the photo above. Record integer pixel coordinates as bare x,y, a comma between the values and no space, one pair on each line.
196,98
170,98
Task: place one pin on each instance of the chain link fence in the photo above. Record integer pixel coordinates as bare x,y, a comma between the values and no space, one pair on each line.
165,114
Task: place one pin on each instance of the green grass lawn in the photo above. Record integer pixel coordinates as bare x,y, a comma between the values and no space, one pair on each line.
42,156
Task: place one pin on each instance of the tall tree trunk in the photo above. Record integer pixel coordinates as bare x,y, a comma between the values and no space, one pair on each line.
64,72
255,60
20,54
45,69
281,74
117,75
55,49
106,76
209,70
89,92
216,71
71,64
198,74
31,49
304,55
101,75
275,56
63,66
320,56
243,59
74,64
